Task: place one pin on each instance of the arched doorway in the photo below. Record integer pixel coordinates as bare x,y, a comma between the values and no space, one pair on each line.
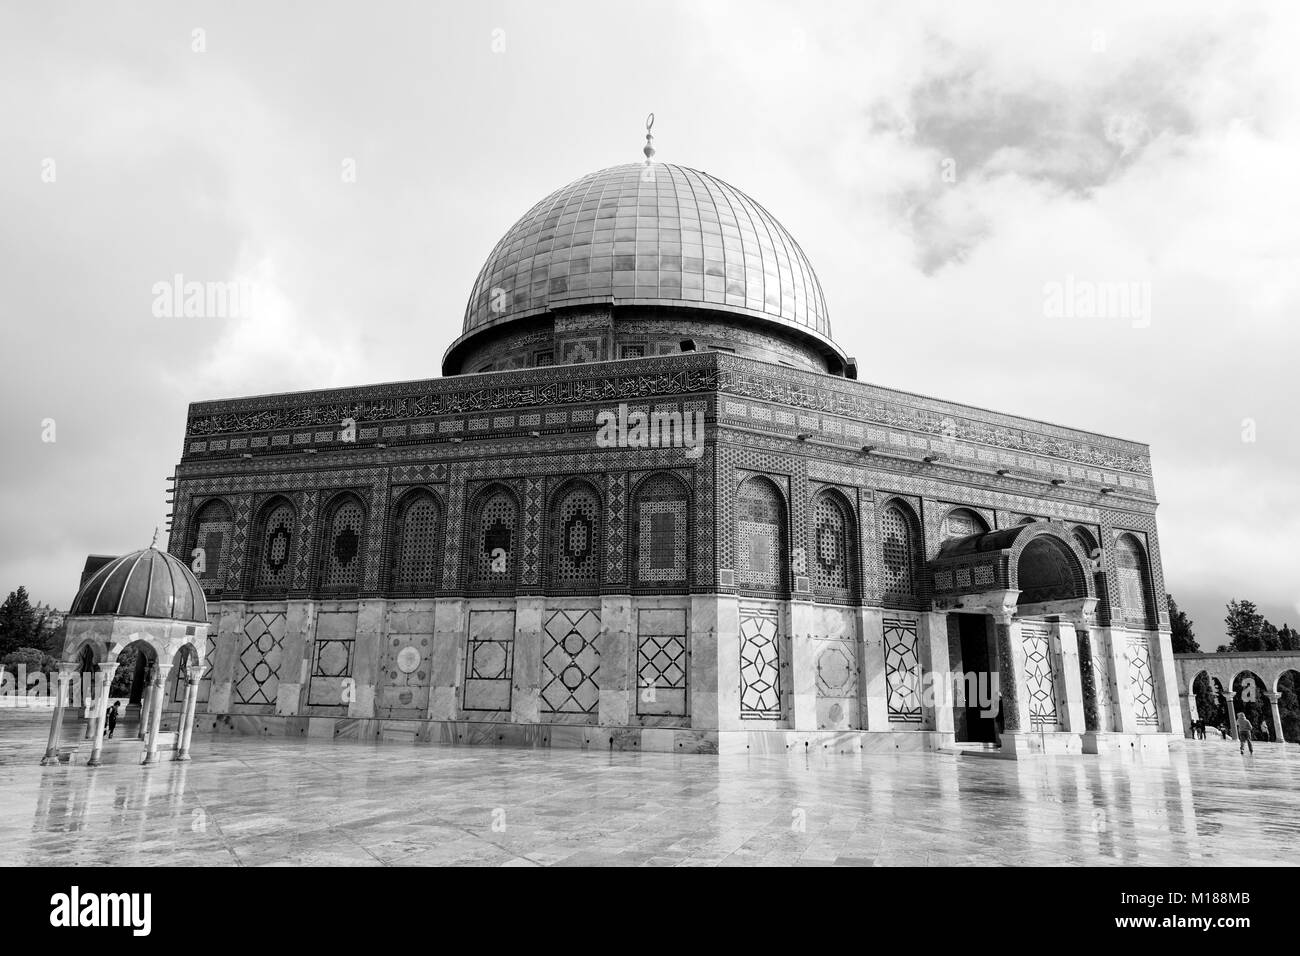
1288,705
1252,697
1205,700
1050,577
136,665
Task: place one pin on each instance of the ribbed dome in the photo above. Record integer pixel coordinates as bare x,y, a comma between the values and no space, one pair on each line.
148,583
658,235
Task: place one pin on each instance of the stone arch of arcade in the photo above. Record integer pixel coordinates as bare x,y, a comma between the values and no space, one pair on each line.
1256,681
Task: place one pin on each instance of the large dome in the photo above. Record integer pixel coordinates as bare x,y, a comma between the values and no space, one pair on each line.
148,583
659,235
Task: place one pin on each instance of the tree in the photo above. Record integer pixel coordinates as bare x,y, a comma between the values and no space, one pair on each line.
124,676
18,624
1245,626
1184,639
32,660
1289,638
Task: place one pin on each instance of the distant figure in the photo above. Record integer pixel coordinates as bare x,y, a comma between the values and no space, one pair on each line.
1201,727
1223,729
1244,727
112,719
1263,733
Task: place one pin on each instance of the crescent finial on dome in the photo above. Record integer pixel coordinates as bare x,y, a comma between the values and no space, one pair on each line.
649,148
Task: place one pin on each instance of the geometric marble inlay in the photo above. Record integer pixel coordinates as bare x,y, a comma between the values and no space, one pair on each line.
902,671
760,664
570,660
259,658
1039,678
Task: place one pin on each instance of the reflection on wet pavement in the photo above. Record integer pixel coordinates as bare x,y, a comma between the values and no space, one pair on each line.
257,801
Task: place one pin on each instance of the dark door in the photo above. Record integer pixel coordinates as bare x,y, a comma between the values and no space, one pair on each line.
976,674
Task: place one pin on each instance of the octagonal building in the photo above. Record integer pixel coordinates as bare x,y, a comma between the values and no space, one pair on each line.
649,505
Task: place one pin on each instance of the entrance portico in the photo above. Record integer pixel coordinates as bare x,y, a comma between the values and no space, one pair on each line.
1063,684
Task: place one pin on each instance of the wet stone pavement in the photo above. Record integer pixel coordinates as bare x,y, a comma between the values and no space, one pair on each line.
257,801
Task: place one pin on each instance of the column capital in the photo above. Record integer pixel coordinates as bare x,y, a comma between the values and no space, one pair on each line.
67,667
107,667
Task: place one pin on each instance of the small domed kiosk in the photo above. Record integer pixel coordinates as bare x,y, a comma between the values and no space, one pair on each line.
150,602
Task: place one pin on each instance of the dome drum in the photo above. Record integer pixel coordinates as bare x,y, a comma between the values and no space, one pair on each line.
684,244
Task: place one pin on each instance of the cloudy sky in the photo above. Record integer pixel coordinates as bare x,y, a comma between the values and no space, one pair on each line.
941,166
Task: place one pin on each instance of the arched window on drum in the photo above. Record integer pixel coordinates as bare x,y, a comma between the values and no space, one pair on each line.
575,537
274,545
417,543
492,556
210,545
898,551
342,544
833,569
761,563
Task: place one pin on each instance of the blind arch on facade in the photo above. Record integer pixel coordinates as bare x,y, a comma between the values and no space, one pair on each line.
417,542
761,561
342,543
492,555
275,539
211,535
576,539
898,550
833,568
661,531
1131,572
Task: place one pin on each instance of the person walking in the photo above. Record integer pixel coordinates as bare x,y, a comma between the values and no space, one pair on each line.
1244,727
112,718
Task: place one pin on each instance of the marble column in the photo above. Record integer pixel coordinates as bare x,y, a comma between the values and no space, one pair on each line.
936,687
1232,714
871,685
1125,717
447,657
1067,641
66,671
1277,719
157,694
146,702
295,657
526,677
702,662
803,666
617,677
1011,674
372,616
106,672
1164,674
187,715
727,635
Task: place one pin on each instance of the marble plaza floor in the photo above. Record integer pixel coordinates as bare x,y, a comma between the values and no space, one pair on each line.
257,801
